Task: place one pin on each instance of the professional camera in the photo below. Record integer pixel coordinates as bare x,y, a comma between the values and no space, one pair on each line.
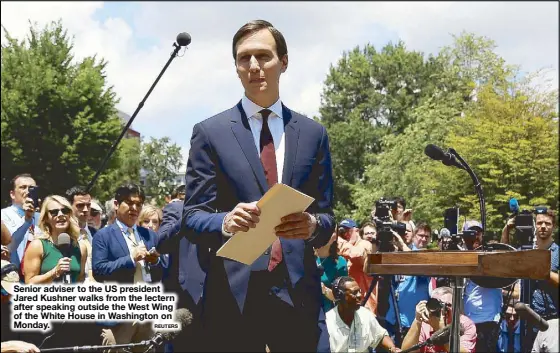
385,225
524,227
451,223
435,307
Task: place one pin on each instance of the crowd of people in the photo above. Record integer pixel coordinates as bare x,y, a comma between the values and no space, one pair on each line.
306,292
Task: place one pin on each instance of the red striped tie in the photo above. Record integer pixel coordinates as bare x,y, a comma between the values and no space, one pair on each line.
268,160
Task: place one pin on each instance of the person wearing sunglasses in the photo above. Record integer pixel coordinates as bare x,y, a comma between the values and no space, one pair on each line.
43,261
95,215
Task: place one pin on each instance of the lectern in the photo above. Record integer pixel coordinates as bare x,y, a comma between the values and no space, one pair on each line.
526,264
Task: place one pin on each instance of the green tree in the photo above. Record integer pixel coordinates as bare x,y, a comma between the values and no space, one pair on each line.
58,114
369,95
127,169
161,161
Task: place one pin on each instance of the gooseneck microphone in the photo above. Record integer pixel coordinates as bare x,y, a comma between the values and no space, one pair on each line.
437,154
183,39
64,244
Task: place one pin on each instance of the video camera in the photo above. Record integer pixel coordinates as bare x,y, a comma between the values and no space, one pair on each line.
385,225
451,222
524,226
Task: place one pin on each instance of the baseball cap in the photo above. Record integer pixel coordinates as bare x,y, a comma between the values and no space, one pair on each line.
96,206
472,224
348,224
9,279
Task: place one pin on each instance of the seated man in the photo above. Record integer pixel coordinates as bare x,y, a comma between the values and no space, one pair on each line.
353,328
429,321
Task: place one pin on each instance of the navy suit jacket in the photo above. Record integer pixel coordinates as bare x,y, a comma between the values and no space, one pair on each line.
111,261
223,170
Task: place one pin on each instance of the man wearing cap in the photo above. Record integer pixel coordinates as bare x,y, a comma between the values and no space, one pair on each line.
427,322
355,250
10,342
482,305
94,220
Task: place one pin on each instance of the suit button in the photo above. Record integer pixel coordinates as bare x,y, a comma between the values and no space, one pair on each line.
267,252
289,251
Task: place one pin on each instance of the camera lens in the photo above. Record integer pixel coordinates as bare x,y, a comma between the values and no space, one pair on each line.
434,307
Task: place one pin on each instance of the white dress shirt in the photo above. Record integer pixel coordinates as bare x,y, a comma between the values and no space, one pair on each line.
276,126
140,265
363,333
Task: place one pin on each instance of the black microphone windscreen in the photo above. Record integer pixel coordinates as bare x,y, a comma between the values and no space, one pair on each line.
184,317
434,152
183,39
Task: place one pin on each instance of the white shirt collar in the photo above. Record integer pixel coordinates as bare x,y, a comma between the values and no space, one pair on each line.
124,227
252,108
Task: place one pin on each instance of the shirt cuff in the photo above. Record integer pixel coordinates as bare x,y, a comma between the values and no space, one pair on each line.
224,233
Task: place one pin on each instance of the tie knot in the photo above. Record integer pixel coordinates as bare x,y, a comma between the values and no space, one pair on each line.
130,231
265,113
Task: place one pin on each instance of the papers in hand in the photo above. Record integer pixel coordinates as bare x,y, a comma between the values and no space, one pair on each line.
279,201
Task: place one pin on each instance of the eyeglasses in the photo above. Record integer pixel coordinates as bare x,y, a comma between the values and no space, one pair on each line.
82,205
511,316
65,211
94,213
369,233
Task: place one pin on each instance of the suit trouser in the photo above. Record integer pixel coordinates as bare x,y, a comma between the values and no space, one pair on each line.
266,320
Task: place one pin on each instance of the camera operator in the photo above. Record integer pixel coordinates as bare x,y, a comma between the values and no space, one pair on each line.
355,250
401,213
435,314
482,305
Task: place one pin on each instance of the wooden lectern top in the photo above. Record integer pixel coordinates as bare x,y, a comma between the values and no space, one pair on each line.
531,264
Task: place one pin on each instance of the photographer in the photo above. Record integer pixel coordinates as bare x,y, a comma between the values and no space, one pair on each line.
20,218
482,305
433,315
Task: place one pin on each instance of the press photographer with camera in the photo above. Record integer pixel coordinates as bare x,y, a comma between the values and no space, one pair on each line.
21,217
433,315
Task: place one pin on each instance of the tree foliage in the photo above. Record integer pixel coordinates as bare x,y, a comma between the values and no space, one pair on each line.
161,161
58,114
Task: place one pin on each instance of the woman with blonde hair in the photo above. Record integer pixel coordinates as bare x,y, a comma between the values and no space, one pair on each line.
150,217
43,261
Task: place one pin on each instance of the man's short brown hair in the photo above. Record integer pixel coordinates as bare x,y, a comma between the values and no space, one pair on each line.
255,26
551,214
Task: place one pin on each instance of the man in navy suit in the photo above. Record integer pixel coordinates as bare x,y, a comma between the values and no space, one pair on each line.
121,253
235,157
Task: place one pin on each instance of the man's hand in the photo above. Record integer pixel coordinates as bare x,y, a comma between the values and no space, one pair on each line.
152,256
5,253
243,217
407,215
296,226
29,209
139,253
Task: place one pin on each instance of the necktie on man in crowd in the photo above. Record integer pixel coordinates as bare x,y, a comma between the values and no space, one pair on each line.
268,160
138,277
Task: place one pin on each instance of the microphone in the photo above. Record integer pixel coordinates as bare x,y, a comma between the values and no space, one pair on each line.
514,205
444,233
437,154
532,317
183,39
64,244
438,338
184,317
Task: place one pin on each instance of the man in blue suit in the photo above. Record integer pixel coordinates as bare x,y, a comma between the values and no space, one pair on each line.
235,157
121,253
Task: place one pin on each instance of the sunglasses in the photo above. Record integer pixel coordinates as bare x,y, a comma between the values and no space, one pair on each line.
65,211
93,212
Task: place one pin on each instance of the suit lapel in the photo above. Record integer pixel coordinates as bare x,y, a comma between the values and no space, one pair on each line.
120,238
291,132
242,131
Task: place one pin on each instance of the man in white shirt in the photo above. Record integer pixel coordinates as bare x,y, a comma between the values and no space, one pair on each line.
20,218
353,328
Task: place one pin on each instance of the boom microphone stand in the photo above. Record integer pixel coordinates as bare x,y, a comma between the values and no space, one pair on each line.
183,39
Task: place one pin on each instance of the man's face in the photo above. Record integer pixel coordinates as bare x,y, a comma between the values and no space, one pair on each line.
94,219
129,209
259,67
398,213
511,316
370,233
353,295
19,194
81,207
408,234
422,238
544,226
474,242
